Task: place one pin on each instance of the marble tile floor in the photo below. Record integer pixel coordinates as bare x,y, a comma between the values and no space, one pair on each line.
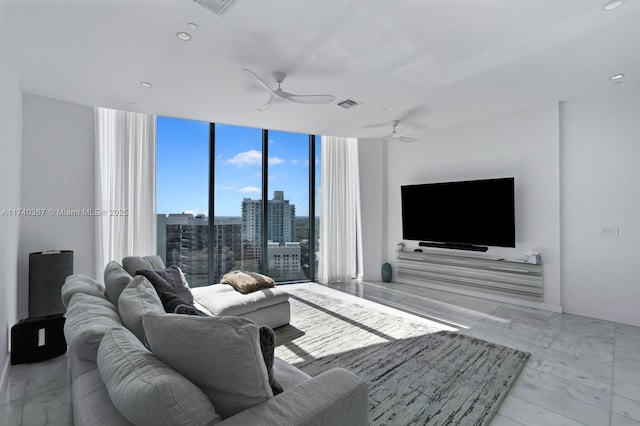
582,371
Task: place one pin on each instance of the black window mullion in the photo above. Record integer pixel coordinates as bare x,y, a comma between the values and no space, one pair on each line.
212,240
312,207
265,205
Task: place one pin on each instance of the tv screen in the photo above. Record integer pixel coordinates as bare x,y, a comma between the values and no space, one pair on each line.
477,212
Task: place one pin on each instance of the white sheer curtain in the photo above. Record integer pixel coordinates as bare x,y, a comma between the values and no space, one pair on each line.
125,185
340,257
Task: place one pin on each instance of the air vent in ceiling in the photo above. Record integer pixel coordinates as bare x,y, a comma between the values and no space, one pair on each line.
348,103
219,7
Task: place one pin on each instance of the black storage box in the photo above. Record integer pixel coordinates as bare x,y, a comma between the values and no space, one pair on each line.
37,339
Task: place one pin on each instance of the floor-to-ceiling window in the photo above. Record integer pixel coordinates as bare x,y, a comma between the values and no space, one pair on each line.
237,206
242,167
288,208
182,196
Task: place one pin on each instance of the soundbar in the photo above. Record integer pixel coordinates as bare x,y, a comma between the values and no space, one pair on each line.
453,246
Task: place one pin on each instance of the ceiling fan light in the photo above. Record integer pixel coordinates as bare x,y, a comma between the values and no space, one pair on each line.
613,4
184,36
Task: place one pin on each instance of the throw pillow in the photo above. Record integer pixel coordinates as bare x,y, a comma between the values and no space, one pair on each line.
267,347
81,284
132,263
115,280
247,282
145,390
170,301
220,355
188,310
137,299
168,280
87,319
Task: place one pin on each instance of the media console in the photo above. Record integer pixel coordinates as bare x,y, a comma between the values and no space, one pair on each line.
504,277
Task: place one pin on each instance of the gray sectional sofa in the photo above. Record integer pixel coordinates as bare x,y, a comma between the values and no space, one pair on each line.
131,362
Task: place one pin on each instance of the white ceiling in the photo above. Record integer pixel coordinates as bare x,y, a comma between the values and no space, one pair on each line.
433,63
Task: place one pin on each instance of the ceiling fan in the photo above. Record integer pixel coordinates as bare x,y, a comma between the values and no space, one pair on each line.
280,96
394,136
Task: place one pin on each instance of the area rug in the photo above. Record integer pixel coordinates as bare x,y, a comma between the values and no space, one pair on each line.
417,372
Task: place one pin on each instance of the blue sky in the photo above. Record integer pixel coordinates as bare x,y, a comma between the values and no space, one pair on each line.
182,159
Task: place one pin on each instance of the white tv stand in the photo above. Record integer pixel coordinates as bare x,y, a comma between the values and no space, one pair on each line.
503,277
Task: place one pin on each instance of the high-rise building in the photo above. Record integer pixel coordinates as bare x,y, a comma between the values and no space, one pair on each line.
284,262
280,234
281,214
227,234
183,240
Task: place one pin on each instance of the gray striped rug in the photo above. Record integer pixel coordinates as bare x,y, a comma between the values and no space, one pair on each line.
417,373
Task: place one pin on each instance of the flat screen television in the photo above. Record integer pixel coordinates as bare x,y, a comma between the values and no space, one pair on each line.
467,215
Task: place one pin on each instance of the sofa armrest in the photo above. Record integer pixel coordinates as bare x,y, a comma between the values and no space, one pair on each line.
335,397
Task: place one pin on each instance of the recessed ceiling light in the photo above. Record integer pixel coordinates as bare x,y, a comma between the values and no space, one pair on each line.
616,77
184,36
146,84
192,25
613,4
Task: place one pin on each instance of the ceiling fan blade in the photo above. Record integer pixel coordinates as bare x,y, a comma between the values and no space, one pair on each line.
309,99
262,83
407,140
272,100
374,125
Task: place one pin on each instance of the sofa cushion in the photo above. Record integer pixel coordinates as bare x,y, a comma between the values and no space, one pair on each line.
81,284
267,347
144,389
169,280
87,319
288,375
138,298
221,355
133,263
247,282
91,403
115,280
223,300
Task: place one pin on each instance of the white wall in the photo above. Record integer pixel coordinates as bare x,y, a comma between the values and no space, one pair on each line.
10,152
524,145
373,196
57,173
600,187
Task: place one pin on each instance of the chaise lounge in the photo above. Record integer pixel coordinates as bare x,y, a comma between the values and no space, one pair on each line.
268,306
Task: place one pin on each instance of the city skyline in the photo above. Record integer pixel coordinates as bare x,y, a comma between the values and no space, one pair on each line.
238,167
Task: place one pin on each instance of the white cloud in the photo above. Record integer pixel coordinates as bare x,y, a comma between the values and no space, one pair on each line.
247,158
253,158
250,189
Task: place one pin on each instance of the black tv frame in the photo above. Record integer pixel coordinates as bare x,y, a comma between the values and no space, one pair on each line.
477,243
